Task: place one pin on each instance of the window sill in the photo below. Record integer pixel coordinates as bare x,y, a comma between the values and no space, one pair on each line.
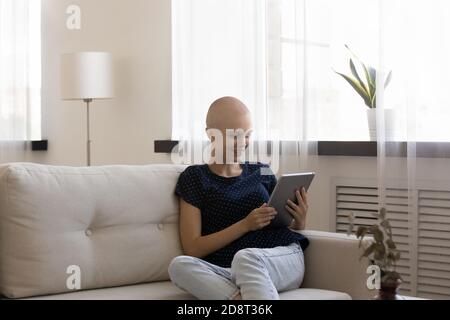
354,148
36,145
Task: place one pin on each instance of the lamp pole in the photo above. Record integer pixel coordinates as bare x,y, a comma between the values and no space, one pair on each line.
88,142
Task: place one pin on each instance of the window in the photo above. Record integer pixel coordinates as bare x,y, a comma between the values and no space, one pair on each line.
279,57
20,70
317,31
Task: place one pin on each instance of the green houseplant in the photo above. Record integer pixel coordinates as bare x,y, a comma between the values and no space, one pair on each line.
381,251
365,86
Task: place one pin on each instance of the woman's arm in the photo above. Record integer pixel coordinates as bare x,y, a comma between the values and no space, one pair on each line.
196,245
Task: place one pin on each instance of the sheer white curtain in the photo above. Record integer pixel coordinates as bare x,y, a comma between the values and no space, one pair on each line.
279,57
218,50
414,42
411,38
235,48
20,77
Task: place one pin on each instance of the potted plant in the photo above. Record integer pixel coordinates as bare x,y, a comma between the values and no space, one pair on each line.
382,252
367,90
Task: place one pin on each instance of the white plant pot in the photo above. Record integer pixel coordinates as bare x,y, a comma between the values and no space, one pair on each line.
389,120
372,121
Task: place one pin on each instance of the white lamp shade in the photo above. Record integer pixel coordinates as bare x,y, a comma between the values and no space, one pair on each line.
87,75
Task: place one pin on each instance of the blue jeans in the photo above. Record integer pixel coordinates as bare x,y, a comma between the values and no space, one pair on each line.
257,274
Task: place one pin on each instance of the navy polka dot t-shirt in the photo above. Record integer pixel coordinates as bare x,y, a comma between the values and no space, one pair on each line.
224,201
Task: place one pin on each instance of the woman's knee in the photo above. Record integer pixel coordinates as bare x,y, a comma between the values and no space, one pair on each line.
180,266
245,260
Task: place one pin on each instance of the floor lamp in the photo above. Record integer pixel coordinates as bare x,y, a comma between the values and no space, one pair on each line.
87,76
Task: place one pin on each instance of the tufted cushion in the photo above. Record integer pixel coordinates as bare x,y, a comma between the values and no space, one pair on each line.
119,224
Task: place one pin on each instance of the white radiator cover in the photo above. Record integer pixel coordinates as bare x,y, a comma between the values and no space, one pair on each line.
420,221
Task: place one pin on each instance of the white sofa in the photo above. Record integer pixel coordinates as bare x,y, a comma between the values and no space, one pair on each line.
119,225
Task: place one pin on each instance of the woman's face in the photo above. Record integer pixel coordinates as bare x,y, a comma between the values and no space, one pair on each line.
239,141
236,137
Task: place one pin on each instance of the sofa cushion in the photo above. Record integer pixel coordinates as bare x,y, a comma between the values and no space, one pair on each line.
162,290
165,290
118,224
313,294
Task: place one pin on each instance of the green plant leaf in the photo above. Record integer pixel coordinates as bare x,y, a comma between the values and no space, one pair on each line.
361,232
388,79
391,257
350,228
372,78
351,224
371,86
383,213
379,252
356,75
391,244
369,250
358,88
394,255
377,233
387,227
385,224
370,74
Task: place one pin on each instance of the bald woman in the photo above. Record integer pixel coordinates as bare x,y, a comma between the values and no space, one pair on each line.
230,251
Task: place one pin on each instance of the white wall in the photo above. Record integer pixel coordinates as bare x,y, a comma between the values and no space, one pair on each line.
138,33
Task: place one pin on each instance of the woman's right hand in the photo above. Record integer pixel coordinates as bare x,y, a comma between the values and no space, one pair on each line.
259,218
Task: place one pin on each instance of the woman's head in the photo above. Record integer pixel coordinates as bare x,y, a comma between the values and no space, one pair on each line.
230,118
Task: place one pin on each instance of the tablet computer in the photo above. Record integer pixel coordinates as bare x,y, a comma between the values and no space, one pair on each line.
284,190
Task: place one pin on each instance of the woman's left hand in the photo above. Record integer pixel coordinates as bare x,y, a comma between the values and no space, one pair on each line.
298,211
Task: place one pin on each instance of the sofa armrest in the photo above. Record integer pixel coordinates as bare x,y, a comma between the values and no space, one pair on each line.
332,263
